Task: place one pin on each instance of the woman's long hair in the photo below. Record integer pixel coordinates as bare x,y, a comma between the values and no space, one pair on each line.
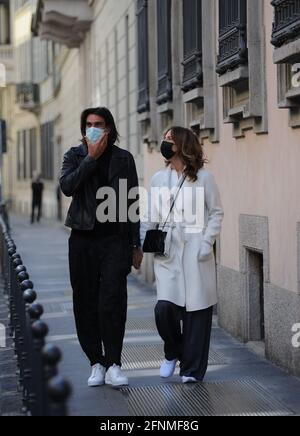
190,151
109,121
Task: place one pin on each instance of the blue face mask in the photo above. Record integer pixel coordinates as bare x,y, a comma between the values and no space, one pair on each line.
94,134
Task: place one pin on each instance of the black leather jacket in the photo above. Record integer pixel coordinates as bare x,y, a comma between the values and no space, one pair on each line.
77,181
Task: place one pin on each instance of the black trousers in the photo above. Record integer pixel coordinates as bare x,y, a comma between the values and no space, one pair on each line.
36,205
98,271
186,336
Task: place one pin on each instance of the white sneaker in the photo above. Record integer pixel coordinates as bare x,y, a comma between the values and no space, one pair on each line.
167,368
115,377
97,377
189,380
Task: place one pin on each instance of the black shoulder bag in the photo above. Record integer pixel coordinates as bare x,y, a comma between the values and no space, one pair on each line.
155,239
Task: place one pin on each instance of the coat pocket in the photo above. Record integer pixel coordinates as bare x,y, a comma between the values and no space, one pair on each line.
206,252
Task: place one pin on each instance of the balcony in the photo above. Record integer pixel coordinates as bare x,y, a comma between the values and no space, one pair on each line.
143,59
233,52
28,96
286,26
192,63
63,21
286,31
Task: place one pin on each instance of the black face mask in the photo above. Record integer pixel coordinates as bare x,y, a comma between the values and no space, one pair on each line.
166,150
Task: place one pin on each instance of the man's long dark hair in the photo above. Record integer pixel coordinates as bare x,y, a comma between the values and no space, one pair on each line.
109,121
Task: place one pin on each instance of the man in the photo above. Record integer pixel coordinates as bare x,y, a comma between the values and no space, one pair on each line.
37,188
101,254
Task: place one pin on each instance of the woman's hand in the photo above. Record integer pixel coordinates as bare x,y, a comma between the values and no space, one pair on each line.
137,258
96,150
206,251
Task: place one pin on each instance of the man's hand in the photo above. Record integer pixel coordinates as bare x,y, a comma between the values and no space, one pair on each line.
96,150
137,258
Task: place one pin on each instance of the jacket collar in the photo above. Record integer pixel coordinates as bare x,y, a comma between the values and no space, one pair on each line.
117,163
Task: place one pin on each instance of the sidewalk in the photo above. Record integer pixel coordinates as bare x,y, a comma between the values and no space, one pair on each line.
10,397
238,382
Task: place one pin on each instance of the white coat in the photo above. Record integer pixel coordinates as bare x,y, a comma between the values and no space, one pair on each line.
186,275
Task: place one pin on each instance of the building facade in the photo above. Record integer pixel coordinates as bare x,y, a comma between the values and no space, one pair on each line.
228,69
6,84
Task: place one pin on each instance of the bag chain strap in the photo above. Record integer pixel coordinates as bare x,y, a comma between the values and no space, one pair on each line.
173,204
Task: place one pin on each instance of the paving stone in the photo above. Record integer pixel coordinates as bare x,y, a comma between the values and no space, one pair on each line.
11,405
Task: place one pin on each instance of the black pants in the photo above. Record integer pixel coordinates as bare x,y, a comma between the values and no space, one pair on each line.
36,205
98,271
188,343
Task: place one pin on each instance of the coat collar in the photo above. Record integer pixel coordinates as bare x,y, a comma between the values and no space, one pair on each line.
168,181
117,163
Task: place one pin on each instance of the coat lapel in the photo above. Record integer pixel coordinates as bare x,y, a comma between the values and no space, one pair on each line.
117,163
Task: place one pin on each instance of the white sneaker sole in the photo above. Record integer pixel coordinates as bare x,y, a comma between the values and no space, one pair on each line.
189,381
108,382
95,384
167,376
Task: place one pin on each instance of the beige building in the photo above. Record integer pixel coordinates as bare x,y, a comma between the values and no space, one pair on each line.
7,80
209,65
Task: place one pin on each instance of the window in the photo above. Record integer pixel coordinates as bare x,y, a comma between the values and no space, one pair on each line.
47,149
232,35
143,62
33,152
286,25
199,81
22,155
39,59
3,137
192,35
19,155
26,153
241,65
24,62
50,57
286,39
164,52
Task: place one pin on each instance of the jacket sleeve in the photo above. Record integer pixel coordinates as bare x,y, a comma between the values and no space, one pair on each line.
72,175
134,183
215,210
150,218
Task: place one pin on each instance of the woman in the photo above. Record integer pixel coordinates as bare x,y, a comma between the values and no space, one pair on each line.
186,274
